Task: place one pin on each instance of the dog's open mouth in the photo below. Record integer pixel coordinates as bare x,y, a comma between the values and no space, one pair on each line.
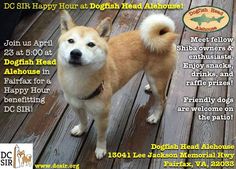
75,62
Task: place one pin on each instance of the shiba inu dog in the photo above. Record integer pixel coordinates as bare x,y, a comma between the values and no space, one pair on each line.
92,67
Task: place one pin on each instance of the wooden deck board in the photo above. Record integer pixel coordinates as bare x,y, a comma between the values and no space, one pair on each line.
48,127
39,125
26,23
138,135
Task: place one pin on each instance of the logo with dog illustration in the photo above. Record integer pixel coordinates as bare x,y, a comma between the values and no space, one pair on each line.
14,156
206,19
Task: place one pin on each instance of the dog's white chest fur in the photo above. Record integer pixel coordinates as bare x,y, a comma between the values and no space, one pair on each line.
74,82
74,87
92,106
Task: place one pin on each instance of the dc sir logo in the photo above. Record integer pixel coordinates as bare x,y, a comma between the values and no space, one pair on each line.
14,156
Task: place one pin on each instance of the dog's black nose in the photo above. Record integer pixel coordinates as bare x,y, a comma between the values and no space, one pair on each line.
75,54
75,57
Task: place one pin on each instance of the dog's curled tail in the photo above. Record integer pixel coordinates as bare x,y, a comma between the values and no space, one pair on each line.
157,32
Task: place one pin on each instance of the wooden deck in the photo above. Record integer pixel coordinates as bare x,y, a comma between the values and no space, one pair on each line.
48,127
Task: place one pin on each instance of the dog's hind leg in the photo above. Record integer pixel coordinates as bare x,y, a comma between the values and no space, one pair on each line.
158,88
82,127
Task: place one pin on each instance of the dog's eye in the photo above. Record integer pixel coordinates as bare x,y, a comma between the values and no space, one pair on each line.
91,44
71,41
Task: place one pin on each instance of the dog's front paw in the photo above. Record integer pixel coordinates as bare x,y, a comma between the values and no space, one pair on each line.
152,119
100,153
78,130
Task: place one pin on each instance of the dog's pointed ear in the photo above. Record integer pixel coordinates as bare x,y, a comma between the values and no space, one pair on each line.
66,21
104,28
